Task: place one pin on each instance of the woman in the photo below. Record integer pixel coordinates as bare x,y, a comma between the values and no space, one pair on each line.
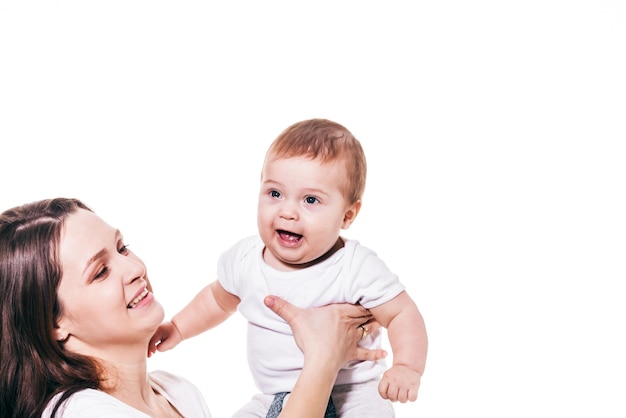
78,313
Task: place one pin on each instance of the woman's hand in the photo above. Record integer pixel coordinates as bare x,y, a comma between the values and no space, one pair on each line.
328,334
328,337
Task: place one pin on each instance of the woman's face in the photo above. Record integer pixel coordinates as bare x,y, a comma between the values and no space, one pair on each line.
107,309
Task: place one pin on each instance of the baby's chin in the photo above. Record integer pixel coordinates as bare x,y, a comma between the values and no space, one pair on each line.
282,263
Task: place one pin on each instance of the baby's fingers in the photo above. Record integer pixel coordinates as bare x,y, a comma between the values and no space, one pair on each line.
152,346
391,391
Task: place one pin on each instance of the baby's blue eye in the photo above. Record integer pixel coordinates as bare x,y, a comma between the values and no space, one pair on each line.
310,200
274,193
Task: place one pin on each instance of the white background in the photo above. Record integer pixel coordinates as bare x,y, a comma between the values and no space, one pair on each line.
493,132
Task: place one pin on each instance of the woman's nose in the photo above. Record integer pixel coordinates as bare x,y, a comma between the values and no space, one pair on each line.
134,268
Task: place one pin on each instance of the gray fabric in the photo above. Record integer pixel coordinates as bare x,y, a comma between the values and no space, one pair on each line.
277,406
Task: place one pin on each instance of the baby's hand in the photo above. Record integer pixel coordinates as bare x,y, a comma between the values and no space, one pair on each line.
165,338
399,383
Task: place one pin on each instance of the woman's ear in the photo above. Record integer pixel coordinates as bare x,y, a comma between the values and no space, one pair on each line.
61,334
350,214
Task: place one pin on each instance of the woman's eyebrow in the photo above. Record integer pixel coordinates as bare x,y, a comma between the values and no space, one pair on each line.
94,258
100,253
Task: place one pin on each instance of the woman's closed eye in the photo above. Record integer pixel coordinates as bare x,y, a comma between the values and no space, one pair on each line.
102,273
104,270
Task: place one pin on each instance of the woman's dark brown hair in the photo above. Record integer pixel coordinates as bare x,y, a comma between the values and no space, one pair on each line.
34,366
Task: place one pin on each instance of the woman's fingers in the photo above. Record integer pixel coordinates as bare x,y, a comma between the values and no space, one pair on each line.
370,326
369,355
332,331
281,307
310,327
356,312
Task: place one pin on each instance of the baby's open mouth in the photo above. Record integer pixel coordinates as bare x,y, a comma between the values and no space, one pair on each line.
289,236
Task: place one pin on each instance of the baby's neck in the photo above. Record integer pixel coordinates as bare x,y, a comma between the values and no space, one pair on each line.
282,266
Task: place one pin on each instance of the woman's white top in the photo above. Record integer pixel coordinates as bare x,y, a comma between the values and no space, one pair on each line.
91,403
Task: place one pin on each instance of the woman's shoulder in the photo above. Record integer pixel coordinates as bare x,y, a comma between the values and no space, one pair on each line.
168,380
181,393
91,403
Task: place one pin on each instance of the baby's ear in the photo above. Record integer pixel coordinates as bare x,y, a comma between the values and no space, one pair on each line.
350,214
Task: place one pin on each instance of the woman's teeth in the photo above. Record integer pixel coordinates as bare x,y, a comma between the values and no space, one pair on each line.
138,299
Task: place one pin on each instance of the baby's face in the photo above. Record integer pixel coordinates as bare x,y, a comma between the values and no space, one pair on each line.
301,210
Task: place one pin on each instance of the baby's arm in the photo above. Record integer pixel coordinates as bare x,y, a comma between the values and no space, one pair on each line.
409,344
209,308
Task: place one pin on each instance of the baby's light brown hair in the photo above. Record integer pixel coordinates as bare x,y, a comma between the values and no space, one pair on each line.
329,142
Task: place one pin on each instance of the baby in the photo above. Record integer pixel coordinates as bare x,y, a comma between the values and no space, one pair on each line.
312,182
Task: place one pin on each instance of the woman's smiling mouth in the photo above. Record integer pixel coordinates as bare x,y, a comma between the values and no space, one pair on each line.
138,299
